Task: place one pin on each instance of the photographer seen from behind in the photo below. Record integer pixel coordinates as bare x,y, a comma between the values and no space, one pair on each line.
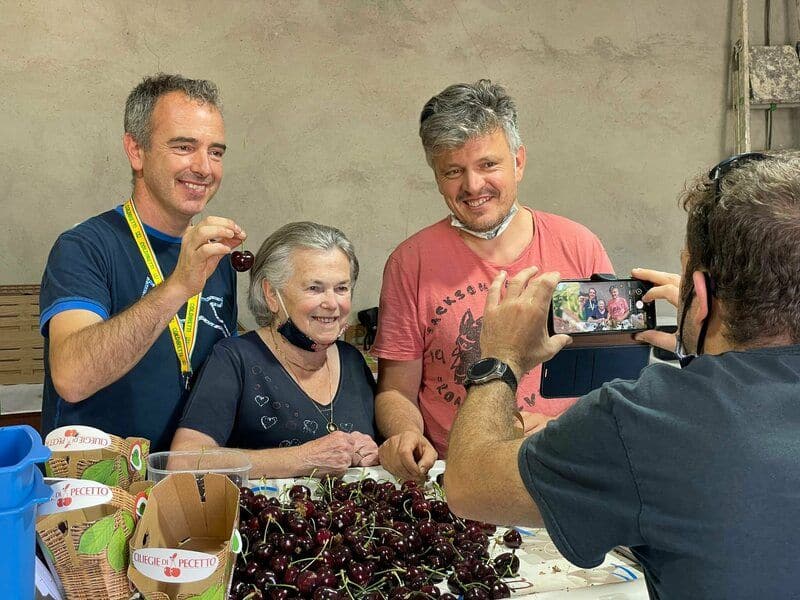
695,469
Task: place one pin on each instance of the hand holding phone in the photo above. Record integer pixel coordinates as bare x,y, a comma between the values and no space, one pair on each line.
665,286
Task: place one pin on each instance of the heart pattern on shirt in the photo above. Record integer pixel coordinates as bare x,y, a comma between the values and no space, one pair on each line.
261,400
267,422
310,426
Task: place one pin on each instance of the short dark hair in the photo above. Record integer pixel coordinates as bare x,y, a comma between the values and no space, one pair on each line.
748,240
142,100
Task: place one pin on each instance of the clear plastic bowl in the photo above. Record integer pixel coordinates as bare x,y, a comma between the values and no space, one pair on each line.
225,461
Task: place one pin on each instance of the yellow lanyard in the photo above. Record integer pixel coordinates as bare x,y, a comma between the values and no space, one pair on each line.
183,340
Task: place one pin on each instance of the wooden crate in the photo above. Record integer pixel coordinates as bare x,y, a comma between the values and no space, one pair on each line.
21,344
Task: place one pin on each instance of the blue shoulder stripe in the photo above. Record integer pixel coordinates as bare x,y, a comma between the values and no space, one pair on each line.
71,303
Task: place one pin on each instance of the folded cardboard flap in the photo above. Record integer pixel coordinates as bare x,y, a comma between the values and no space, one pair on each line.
222,507
185,515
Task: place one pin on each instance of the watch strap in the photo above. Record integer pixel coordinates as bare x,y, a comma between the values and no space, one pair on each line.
502,372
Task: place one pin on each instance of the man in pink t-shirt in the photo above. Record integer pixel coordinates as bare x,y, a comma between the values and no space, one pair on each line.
618,308
435,282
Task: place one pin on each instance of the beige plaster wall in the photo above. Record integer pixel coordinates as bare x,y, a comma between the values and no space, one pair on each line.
619,101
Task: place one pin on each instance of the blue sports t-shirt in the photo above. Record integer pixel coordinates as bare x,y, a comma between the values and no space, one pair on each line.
96,266
697,470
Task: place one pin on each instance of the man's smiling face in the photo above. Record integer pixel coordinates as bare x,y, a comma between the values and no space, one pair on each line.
182,168
479,180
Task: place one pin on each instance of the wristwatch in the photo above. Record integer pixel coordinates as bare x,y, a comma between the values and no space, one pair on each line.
489,369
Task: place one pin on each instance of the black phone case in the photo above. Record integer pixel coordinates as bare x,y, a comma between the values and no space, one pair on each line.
578,371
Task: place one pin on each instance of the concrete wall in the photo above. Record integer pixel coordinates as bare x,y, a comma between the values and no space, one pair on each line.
619,102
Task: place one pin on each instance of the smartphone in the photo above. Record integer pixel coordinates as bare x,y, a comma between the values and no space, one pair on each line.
599,313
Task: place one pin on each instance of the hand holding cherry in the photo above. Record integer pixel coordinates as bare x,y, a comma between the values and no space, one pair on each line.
202,247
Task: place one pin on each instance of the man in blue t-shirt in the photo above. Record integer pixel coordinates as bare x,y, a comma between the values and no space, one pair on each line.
695,469
116,356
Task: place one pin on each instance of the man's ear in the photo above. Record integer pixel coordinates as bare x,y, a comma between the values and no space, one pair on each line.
134,151
701,293
519,163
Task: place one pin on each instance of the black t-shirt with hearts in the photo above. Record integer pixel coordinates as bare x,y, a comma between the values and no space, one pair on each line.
244,398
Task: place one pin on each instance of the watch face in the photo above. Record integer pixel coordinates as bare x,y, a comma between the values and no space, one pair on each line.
482,368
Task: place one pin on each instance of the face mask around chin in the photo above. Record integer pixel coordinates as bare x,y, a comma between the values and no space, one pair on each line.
295,336
486,235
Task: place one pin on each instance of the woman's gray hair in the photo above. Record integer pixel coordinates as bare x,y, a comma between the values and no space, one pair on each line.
273,262
464,111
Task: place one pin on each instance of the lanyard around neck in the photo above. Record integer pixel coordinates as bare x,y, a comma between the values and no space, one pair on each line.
182,339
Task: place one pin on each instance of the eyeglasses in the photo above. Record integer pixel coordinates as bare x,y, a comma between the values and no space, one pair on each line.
717,174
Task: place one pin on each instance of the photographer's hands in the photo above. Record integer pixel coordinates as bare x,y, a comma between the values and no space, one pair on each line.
666,286
515,322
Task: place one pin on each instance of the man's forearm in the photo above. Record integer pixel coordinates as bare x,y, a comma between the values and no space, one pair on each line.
486,417
482,480
96,356
394,413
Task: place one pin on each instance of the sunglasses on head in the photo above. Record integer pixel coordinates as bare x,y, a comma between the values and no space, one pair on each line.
717,174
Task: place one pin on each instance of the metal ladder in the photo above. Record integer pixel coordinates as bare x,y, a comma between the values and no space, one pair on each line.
762,77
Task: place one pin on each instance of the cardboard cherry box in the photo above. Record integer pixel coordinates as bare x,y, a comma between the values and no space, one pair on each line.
186,541
81,452
83,531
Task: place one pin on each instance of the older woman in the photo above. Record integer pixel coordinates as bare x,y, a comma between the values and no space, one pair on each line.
289,393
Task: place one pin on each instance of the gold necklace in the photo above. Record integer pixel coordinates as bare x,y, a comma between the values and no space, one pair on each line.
329,425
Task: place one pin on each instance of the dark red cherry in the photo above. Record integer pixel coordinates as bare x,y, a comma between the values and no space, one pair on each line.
499,589
512,539
326,593
242,260
506,564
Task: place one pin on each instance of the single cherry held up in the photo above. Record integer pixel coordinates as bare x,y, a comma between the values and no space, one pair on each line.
242,260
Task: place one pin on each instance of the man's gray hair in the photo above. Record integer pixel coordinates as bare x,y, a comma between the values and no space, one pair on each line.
142,100
273,261
464,111
747,238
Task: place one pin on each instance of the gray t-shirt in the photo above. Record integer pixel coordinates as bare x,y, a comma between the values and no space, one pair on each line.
697,470
244,398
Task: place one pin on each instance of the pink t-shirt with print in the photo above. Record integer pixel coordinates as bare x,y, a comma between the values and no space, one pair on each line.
431,307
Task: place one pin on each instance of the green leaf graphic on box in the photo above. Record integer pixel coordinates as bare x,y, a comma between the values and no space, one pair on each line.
104,471
212,593
136,458
127,519
117,552
95,539
48,470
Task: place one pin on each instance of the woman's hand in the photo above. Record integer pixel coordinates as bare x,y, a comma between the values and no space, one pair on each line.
365,450
331,454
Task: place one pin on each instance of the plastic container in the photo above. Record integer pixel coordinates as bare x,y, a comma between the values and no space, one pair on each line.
17,552
225,461
20,449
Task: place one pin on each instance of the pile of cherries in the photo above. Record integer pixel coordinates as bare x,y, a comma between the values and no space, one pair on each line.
366,540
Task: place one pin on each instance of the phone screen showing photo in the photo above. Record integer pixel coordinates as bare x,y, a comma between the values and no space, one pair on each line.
593,307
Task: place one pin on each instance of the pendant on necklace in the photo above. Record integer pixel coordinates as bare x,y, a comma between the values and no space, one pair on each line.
331,427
